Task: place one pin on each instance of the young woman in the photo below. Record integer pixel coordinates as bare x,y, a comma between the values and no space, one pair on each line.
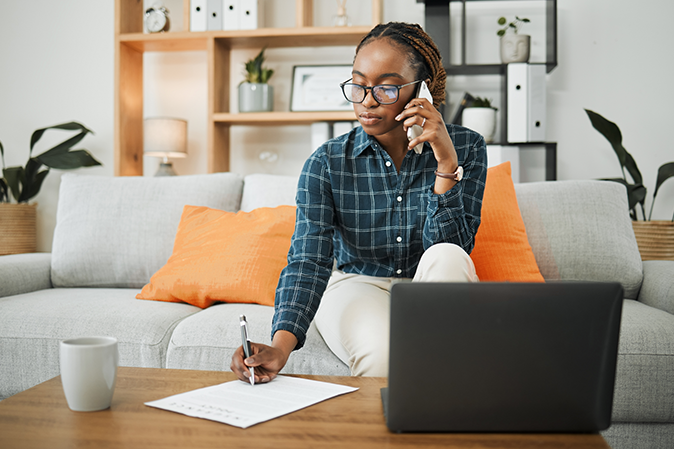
376,209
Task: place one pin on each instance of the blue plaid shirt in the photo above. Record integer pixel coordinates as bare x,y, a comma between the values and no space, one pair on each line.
354,207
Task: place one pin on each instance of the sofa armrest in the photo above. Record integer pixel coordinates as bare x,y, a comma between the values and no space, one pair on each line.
657,289
24,273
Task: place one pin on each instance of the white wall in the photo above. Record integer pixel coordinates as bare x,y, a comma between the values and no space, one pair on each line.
56,65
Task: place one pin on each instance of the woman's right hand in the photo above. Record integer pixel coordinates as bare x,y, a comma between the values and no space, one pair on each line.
267,360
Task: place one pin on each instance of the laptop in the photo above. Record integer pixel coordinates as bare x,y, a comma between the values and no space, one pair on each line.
502,357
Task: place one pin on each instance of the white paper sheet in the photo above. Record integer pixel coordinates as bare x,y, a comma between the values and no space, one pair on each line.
240,404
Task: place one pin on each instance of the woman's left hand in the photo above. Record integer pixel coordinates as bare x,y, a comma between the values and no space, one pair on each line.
421,112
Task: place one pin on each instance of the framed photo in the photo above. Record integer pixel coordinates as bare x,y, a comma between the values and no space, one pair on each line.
316,88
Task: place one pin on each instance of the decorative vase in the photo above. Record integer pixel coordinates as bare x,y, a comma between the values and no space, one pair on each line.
256,97
18,228
655,239
515,48
480,120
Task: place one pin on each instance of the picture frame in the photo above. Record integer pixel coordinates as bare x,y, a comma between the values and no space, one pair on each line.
309,93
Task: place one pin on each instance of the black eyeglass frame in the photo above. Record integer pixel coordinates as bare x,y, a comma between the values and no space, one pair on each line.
365,88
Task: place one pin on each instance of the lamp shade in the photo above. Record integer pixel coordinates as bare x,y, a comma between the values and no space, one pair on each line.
165,137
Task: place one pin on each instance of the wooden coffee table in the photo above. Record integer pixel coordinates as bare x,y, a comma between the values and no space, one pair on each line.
40,418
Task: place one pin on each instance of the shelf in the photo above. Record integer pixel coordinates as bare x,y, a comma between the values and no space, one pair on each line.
131,43
269,37
476,69
282,118
438,21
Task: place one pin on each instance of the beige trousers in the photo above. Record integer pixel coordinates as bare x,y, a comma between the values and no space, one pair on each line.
353,317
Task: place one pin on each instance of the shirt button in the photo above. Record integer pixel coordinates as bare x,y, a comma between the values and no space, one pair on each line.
399,239
399,271
400,198
388,163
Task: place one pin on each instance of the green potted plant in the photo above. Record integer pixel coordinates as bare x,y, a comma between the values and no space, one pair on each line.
480,116
514,46
255,95
655,238
21,184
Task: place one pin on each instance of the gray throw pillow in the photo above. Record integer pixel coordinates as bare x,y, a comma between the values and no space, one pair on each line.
581,230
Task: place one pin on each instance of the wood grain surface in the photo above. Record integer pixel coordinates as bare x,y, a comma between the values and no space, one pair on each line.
40,418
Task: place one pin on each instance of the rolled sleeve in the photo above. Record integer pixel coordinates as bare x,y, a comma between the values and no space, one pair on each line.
454,216
310,257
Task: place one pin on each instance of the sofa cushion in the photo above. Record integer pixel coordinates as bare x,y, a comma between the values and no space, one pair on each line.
118,231
644,389
223,256
502,251
207,340
581,230
268,191
34,323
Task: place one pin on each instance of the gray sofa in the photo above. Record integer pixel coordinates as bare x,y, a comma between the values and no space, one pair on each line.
112,234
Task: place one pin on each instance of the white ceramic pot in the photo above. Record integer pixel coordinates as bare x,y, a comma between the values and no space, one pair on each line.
256,97
480,120
515,48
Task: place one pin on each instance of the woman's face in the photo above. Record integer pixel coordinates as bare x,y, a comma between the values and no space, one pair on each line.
382,62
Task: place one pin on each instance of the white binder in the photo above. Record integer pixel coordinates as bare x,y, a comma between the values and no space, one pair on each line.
250,15
198,15
214,13
526,102
231,15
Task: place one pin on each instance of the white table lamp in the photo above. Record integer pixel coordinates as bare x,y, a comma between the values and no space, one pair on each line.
166,138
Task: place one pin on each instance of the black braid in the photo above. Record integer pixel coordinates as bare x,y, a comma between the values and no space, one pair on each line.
425,57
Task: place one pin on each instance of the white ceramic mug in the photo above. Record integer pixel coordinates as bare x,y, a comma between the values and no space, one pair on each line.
88,372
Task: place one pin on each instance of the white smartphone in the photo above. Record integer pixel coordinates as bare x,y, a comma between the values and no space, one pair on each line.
415,131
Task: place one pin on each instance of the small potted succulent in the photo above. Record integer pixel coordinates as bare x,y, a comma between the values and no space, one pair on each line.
480,116
514,46
18,219
255,95
655,238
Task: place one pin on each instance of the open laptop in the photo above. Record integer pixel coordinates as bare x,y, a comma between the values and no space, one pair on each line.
502,357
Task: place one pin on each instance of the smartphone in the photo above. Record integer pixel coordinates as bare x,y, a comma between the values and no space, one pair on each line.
415,131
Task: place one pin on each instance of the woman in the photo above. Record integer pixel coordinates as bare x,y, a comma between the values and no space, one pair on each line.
372,206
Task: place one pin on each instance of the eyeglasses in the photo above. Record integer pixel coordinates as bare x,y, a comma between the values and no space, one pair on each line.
382,93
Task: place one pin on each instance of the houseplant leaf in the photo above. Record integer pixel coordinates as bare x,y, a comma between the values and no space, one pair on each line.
69,160
14,177
4,191
32,180
70,126
665,172
611,132
34,187
66,144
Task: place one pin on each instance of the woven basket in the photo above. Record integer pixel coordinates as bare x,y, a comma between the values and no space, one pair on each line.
655,239
18,230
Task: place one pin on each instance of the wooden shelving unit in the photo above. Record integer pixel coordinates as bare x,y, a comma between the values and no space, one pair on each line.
131,43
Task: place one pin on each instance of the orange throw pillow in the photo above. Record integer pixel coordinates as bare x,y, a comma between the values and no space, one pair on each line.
225,256
502,251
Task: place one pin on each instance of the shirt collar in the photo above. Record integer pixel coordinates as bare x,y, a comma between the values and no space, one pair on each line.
363,141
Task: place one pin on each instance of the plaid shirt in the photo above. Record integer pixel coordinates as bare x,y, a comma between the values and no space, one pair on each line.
354,207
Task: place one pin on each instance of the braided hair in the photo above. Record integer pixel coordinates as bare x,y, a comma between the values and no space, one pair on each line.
424,56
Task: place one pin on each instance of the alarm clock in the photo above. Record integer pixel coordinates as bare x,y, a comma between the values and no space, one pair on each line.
157,19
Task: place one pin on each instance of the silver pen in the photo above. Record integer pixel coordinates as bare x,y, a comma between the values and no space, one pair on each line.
246,344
